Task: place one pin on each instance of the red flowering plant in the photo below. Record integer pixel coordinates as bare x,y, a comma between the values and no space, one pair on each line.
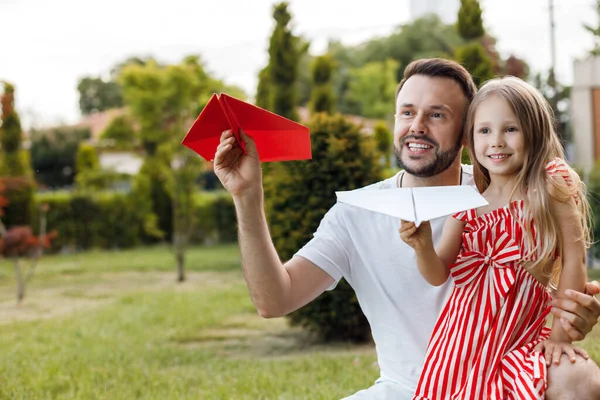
19,242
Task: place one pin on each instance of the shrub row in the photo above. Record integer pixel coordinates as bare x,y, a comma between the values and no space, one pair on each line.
114,221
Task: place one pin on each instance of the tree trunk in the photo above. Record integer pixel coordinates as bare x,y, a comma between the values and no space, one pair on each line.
20,282
180,265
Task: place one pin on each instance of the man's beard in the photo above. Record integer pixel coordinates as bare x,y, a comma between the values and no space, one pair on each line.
443,159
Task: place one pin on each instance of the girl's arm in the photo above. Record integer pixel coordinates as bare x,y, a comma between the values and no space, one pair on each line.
434,265
573,275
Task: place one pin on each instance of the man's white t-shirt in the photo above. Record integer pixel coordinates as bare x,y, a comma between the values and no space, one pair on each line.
364,247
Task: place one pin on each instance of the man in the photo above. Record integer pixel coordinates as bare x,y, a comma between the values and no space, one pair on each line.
364,247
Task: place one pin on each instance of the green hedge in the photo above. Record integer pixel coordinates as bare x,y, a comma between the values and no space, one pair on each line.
113,220
19,191
215,218
98,221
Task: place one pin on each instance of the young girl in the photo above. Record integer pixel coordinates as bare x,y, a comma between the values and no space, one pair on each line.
490,341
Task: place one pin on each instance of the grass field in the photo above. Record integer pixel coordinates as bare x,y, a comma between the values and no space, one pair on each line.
115,325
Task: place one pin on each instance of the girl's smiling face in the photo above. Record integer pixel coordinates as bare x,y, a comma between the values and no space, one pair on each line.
499,142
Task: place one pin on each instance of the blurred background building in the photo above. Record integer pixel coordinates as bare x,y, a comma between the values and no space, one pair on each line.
585,109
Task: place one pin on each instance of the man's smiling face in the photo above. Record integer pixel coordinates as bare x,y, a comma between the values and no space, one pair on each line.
428,124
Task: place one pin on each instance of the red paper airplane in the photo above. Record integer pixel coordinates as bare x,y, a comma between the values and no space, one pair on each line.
277,138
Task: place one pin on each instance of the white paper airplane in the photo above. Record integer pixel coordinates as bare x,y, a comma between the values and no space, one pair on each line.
415,204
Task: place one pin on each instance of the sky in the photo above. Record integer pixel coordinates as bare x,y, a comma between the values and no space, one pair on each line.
48,46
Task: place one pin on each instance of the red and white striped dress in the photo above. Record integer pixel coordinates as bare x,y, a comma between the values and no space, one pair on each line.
481,345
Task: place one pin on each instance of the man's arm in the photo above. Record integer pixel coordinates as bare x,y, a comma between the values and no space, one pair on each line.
274,288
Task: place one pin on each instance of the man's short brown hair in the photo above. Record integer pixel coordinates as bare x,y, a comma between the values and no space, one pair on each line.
441,68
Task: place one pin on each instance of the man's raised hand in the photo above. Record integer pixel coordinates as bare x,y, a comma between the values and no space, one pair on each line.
239,173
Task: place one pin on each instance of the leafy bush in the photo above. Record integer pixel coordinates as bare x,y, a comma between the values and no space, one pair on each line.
116,220
53,154
85,221
216,218
299,193
120,133
19,191
593,186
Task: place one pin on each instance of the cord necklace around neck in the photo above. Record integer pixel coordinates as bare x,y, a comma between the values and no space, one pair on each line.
461,177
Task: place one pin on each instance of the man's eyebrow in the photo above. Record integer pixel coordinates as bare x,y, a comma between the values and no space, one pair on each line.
442,107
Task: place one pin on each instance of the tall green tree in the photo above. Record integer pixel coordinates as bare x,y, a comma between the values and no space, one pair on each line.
115,71
263,92
14,162
470,23
322,98
120,133
305,73
371,90
159,98
595,31
281,81
473,54
424,37
97,94
164,99
476,61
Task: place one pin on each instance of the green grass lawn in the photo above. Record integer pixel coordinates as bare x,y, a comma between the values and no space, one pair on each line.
115,325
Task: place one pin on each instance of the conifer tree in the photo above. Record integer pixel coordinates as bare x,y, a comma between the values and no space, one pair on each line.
473,54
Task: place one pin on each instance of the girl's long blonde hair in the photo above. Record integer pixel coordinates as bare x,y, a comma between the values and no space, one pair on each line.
542,145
